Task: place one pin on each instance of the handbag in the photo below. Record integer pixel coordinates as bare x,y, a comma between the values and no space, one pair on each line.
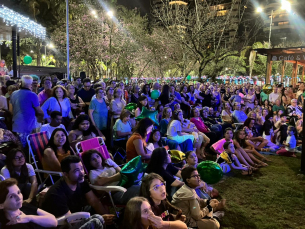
65,120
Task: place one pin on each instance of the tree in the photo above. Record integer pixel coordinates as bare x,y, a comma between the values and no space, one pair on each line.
203,29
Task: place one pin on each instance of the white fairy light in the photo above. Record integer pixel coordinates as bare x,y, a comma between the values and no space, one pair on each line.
12,18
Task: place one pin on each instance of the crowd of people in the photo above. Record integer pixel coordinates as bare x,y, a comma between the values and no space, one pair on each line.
234,125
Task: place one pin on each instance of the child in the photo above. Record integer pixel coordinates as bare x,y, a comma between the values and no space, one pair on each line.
217,147
229,157
290,144
192,160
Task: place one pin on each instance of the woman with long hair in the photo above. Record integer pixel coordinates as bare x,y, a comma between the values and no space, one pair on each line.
165,98
56,150
166,117
226,114
160,163
146,92
83,129
135,94
136,144
155,139
143,102
16,213
247,150
191,94
58,102
77,104
153,188
117,104
98,110
24,173
106,172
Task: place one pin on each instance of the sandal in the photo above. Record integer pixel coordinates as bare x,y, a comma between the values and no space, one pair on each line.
247,172
262,164
265,149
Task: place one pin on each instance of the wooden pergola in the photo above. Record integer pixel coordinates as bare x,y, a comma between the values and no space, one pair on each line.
294,55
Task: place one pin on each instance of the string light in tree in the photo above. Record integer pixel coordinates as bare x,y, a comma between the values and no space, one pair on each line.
11,18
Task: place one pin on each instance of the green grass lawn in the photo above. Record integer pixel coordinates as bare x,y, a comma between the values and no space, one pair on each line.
272,198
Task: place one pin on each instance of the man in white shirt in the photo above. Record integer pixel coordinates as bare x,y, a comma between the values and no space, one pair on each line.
56,119
274,95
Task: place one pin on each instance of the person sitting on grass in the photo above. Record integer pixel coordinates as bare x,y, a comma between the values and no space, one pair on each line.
192,160
198,212
218,146
160,163
290,144
229,157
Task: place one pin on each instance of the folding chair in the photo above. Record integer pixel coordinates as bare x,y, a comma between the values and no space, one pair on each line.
73,218
37,143
94,143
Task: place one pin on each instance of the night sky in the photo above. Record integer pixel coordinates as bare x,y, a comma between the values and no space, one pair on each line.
143,5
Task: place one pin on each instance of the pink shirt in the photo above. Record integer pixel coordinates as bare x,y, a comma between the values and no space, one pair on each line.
42,97
200,125
218,146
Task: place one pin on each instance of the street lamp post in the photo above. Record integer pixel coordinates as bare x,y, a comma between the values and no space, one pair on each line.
270,29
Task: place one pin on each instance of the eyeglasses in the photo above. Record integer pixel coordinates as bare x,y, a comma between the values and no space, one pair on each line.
196,176
157,187
19,158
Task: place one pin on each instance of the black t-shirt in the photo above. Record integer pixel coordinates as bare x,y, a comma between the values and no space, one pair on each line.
27,209
60,198
86,96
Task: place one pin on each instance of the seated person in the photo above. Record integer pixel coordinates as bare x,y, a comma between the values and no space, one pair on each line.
57,149
192,160
107,172
155,139
238,115
198,212
138,215
24,173
153,188
160,163
83,129
15,213
122,130
136,144
166,117
69,195
218,146
229,157
56,119
290,144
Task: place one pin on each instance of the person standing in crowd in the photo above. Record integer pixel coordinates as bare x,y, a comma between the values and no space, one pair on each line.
69,195
98,111
274,95
24,106
58,102
46,92
78,84
77,104
86,93
135,94
54,80
117,104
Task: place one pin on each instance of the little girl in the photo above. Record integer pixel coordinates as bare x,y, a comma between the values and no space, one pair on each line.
229,157
155,139
290,144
